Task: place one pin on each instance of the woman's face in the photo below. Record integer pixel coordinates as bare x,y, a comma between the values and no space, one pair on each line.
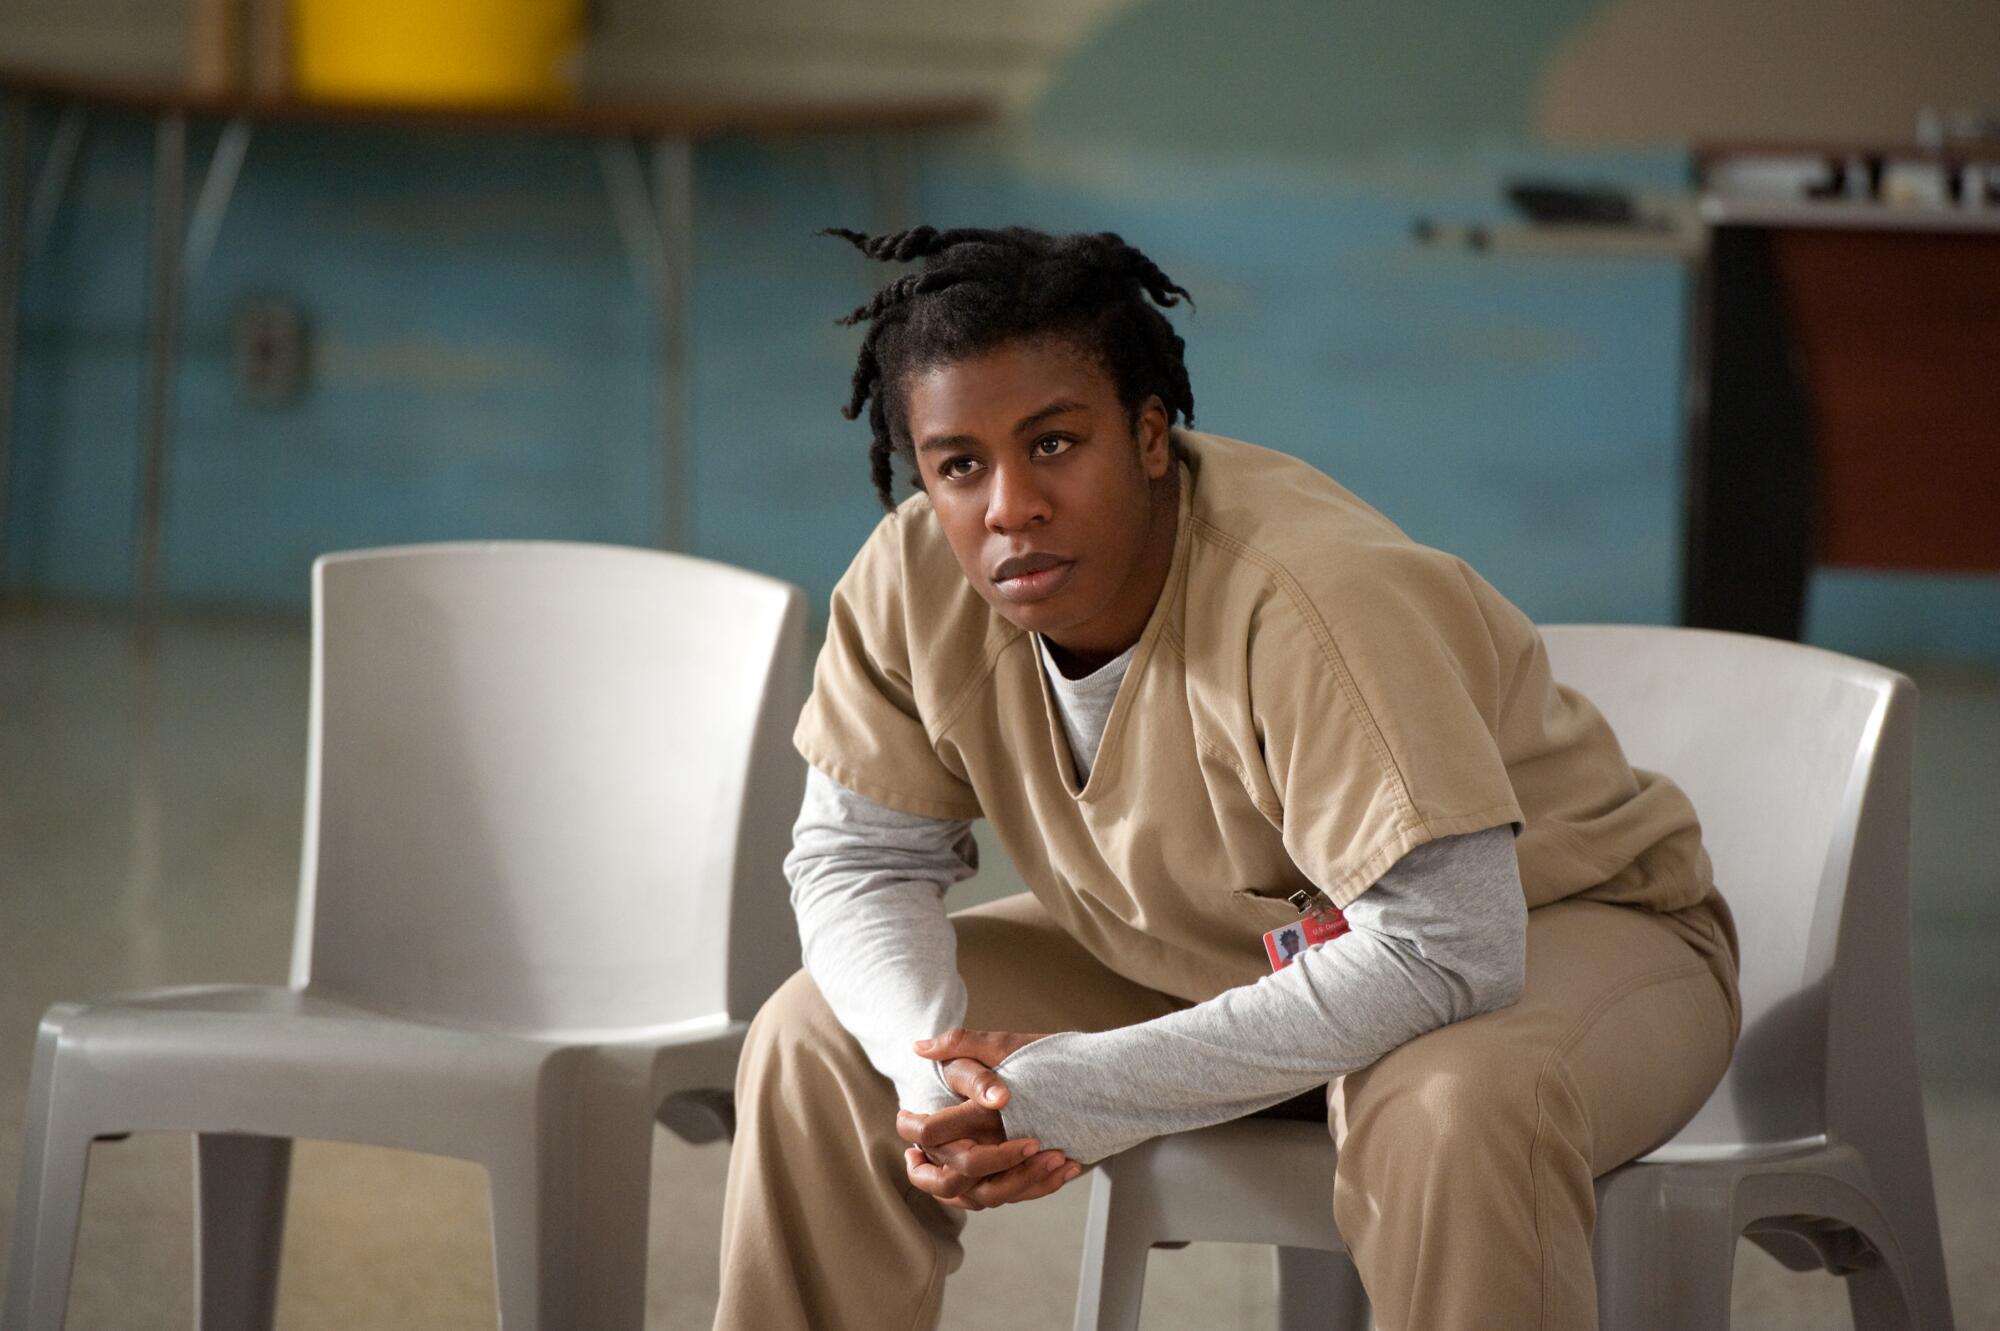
1059,505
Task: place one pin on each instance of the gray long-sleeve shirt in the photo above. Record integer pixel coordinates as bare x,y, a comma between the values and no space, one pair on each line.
1440,937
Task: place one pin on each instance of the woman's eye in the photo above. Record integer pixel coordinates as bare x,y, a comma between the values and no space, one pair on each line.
1052,445
956,468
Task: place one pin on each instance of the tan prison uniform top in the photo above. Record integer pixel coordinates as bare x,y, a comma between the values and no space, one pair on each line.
1314,696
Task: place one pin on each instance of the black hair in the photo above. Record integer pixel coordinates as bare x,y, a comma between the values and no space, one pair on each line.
978,288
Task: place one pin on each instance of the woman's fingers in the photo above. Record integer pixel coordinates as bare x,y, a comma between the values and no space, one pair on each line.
941,1183
958,1042
1035,1177
910,1126
988,1047
1021,1179
979,1160
949,1125
977,1082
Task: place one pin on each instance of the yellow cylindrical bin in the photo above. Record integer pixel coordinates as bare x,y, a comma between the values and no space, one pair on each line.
436,52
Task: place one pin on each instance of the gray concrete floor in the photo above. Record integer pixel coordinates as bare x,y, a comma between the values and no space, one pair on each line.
149,832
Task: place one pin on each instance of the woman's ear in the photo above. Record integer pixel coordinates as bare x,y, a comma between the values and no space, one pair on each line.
1155,435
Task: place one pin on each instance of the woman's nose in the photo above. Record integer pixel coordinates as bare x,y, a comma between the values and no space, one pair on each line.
1016,499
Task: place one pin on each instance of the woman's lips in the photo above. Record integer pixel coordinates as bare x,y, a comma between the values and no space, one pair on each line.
1036,586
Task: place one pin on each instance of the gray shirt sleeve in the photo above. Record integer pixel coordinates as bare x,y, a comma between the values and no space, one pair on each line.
1440,937
868,886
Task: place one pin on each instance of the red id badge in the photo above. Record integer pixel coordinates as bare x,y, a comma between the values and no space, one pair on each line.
1284,944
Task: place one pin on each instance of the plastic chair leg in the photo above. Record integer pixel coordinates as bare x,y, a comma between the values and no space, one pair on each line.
570,1212
1665,1250
1879,1300
46,1215
55,1156
1882,1296
1911,1214
1319,1291
1703,1274
1113,1279
240,1187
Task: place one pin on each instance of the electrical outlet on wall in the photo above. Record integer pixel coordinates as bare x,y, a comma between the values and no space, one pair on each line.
269,336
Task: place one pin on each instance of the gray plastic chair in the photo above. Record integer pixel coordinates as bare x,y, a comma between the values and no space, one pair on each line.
549,790
1798,762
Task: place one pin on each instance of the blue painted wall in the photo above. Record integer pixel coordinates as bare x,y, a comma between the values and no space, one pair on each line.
483,363
483,357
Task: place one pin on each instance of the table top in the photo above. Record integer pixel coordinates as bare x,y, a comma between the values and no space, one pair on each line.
1607,240
1684,235
1709,152
1845,215
651,118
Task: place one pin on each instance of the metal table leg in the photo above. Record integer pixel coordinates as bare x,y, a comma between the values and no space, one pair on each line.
58,164
163,301
656,224
673,201
28,218
175,265
13,258
211,204
1751,464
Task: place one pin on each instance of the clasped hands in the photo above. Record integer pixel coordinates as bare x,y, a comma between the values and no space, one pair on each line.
962,1155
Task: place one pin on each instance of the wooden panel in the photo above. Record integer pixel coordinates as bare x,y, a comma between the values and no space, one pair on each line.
1671,71
1898,336
740,112
147,40
785,50
804,55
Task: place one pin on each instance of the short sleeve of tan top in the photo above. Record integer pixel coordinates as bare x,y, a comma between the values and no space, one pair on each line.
1314,696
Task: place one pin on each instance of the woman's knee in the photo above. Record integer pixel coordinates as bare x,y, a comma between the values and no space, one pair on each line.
1434,1109
794,1024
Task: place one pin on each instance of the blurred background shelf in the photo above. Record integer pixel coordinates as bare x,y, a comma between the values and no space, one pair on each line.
687,118
645,149
1582,240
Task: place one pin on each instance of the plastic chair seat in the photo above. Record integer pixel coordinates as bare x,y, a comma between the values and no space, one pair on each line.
289,1063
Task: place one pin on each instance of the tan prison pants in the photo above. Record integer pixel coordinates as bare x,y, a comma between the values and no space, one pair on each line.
1466,1156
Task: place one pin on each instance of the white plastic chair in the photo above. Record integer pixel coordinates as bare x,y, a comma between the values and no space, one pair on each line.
1798,763
548,795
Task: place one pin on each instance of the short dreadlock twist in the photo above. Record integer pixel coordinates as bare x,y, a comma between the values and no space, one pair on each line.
978,288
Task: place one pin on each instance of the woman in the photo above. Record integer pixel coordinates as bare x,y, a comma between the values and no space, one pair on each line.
1203,695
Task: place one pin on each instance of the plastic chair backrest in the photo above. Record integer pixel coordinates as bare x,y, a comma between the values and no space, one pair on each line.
1797,762
549,786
